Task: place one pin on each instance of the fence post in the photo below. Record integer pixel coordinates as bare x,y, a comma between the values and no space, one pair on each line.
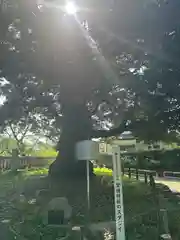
156,200
145,177
15,160
165,226
137,174
151,181
123,170
129,172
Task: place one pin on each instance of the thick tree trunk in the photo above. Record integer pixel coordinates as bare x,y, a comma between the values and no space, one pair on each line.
76,127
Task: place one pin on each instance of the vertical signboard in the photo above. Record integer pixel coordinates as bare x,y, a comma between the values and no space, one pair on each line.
118,194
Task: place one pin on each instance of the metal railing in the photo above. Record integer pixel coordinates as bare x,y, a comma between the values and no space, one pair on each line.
6,162
143,173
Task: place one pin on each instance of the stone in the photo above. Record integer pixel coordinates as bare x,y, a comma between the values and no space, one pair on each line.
58,212
166,237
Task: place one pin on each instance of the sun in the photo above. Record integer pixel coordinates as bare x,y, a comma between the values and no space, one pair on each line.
70,8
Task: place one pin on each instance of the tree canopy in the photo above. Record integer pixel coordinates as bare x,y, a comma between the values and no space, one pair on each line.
116,59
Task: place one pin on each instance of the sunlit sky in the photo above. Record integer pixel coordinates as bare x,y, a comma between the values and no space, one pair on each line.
71,8
3,82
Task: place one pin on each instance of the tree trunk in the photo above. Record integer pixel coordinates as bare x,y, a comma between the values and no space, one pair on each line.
76,126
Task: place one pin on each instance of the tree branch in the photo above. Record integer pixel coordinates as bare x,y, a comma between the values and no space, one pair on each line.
6,132
1,152
32,148
13,132
98,106
94,111
109,133
24,134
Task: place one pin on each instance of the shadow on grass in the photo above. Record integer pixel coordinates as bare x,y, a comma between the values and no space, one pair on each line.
139,203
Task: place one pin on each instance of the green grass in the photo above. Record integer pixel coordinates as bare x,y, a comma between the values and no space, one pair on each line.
45,152
36,172
103,171
44,171
139,204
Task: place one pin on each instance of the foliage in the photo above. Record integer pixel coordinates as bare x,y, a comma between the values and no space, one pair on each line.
140,211
36,171
6,146
29,147
114,69
136,69
44,171
156,160
47,152
103,171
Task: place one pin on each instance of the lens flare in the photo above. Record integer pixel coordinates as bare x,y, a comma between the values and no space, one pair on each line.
70,8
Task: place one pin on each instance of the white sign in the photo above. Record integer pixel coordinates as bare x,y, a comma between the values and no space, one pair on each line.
118,195
102,148
105,148
87,150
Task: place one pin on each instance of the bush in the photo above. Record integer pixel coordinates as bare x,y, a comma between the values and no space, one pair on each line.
156,160
103,171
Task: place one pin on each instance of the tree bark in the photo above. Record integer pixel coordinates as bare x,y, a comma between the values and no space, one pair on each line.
76,126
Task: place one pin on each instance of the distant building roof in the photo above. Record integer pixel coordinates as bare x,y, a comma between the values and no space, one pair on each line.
126,135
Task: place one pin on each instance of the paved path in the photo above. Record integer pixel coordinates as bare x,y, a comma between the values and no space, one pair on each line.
173,184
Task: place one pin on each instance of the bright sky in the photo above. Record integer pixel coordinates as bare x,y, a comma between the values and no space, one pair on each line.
3,82
2,99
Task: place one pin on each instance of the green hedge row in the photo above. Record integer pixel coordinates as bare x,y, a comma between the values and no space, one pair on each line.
154,160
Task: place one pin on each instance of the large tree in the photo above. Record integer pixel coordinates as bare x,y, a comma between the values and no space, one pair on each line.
114,65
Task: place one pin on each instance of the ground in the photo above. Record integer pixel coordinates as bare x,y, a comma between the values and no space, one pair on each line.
173,184
141,206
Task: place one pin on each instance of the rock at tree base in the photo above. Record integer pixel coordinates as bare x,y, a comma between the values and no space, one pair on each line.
57,212
75,190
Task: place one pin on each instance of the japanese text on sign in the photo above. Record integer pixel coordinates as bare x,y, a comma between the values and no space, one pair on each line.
118,204
118,193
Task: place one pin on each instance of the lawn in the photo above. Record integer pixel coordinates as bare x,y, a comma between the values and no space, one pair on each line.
44,171
140,204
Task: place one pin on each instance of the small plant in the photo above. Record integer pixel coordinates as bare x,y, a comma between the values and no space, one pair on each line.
36,172
103,171
108,235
